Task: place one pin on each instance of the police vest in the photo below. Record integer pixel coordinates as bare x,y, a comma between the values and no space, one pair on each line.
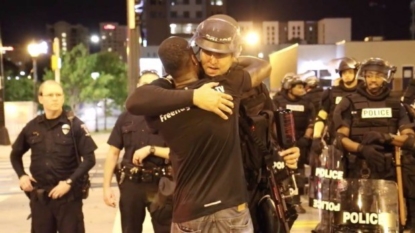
336,95
300,110
368,115
315,96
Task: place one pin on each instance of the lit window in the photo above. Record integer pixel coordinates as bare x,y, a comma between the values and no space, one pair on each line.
63,34
109,49
173,28
219,3
311,28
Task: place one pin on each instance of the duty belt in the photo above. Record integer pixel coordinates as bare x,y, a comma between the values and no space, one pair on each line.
145,174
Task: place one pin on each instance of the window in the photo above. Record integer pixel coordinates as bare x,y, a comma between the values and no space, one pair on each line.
408,72
186,14
199,2
185,2
153,14
199,14
173,14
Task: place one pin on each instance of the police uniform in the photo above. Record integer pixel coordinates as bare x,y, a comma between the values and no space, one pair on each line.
53,159
303,114
361,113
314,96
139,185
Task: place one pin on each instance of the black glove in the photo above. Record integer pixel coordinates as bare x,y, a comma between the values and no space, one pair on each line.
374,158
317,146
373,137
303,142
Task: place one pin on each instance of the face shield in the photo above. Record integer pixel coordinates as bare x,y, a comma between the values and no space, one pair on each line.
385,69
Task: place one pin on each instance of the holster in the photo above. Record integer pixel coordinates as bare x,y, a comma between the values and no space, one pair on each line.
40,195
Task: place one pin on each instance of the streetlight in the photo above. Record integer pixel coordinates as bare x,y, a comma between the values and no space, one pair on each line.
35,50
252,38
94,39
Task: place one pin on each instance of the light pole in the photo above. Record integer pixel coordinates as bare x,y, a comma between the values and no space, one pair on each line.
95,76
35,50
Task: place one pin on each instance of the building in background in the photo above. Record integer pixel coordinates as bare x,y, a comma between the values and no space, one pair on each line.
114,38
69,35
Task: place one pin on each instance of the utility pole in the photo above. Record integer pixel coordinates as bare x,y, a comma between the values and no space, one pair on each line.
56,60
4,134
133,50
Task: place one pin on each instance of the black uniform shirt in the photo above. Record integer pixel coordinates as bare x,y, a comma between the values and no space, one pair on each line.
206,154
53,156
131,133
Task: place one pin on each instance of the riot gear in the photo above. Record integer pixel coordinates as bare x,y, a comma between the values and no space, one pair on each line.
347,64
219,34
312,81
378,65
290,80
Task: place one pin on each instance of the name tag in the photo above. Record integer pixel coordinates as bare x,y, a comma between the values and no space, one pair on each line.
294,107
338,99
377,113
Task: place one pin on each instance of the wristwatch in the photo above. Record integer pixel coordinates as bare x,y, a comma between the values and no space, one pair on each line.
69,182
152,150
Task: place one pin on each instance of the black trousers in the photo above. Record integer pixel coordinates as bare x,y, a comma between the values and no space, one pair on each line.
63,215
135,198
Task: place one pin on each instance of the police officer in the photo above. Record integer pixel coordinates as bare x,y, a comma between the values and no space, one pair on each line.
366,121
57,178
348,83
313,91
291,97
141,168
408,174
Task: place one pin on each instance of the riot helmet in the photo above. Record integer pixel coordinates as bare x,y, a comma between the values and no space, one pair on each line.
347,64
379,65
290,80
312,81
220,34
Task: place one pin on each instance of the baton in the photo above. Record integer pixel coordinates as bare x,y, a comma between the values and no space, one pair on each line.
402,214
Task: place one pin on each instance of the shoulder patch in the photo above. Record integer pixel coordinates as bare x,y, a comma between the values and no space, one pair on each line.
83,126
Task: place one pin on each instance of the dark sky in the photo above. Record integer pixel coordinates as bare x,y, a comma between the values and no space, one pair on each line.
23,20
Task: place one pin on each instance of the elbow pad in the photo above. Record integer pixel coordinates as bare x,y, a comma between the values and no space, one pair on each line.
338,141
409,144
319,119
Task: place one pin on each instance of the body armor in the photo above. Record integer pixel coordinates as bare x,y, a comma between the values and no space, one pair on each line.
300,110
314,96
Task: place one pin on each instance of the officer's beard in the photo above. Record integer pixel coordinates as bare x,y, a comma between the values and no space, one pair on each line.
374,88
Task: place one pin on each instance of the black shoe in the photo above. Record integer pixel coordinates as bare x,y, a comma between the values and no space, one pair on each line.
299,209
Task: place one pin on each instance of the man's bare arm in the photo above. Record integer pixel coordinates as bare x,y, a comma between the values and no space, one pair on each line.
258,69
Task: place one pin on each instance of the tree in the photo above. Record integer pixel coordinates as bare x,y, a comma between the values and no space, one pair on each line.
17,88
109,64
77,66
20,89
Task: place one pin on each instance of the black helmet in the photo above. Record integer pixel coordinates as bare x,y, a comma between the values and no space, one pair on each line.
290,80
312,81
347,64
378,65
219,34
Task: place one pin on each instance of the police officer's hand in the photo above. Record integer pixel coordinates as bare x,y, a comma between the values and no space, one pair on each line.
290,157
317,146
374,158
210,100
109,197
140,155
373,137
25,183
59,190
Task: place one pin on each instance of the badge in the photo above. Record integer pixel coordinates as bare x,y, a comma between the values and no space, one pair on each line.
295,107
83,126
377,113
65,129
338,99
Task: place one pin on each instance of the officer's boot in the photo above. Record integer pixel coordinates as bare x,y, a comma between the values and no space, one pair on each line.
324,225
